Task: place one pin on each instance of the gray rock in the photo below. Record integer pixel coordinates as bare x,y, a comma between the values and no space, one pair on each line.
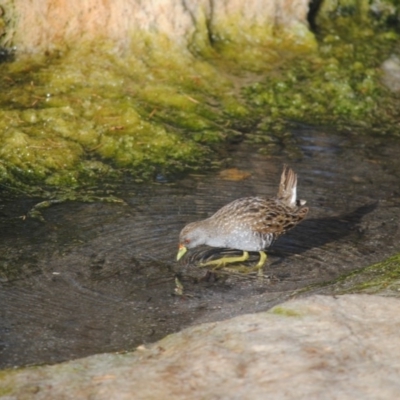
314,348
391,73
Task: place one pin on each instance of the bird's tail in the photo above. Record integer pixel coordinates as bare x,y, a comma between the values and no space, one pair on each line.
287,192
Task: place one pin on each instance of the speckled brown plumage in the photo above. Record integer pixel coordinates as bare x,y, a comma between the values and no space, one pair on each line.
250,223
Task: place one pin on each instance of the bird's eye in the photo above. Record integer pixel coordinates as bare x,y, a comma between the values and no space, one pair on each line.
186,241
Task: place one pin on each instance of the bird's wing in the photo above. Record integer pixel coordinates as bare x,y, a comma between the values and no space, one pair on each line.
272,217
259,215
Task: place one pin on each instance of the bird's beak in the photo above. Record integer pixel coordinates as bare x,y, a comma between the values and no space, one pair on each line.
181,252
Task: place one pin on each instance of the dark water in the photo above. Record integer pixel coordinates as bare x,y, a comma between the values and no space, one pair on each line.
100,277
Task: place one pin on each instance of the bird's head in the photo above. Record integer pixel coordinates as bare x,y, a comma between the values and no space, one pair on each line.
192,235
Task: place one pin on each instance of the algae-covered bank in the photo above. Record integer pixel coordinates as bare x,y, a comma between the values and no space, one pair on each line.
87,114
89,94
149,102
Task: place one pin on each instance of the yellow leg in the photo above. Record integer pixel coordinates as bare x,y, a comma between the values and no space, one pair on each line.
224,261
260,264
263,257
220,263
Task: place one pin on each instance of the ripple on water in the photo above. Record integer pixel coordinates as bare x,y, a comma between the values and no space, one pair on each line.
100,277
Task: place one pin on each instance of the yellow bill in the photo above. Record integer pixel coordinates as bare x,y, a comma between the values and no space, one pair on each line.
181,252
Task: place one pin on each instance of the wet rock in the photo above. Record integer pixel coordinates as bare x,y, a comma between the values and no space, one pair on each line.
315,348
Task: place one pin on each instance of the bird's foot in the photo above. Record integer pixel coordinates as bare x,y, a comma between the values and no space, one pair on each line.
223,261
244,269
224,264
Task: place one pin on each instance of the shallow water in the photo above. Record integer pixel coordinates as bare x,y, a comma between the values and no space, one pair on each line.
101,277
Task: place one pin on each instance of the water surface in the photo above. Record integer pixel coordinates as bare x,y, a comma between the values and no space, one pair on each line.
101,277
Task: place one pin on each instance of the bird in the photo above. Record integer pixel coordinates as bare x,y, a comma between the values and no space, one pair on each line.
249,224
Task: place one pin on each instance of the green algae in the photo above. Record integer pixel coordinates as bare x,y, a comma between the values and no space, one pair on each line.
259,47
285,312
87,114
6,390
340,85
363,11
380,278
63,121
7,377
